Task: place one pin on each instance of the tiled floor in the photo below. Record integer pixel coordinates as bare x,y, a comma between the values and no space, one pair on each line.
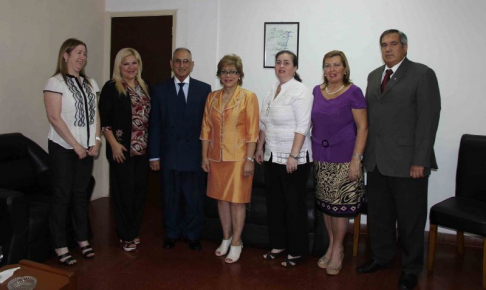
152,267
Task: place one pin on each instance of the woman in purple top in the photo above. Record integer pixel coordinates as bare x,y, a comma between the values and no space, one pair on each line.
339,131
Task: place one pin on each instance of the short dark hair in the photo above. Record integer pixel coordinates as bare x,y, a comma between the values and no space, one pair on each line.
403,37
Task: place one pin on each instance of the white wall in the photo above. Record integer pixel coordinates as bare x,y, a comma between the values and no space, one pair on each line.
443,34
31,33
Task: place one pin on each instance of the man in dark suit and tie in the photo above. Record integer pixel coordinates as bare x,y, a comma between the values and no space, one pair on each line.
403,110
175,150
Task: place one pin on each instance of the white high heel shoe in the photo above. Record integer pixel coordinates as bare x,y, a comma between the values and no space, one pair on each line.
234,254
224,247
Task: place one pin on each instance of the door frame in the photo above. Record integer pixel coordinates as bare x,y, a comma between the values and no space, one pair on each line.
107,39
105,182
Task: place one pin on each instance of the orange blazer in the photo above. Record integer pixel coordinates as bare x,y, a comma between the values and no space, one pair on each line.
229,129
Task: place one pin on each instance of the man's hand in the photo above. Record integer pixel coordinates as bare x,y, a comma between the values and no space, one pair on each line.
416,171
155,165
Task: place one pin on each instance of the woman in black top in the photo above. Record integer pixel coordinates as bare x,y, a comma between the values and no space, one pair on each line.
124,109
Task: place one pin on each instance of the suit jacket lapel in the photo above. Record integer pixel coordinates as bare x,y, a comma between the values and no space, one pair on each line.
376,81
172,92
216,102
190,95
235,99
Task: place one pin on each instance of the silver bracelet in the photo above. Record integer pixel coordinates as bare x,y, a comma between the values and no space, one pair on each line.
295,157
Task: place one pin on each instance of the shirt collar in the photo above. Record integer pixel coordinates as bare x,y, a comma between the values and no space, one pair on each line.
186,81
285,85
395,67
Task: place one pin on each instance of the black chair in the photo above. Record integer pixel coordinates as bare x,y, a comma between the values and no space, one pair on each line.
25,200
466,212
255,232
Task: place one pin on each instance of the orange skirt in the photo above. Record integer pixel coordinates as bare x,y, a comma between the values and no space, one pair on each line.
226,182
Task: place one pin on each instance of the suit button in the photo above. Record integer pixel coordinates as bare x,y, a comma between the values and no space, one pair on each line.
187,141
378,135
177,139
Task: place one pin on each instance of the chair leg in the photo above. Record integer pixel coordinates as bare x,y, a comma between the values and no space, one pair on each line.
460,243
432,240
357,224
484,263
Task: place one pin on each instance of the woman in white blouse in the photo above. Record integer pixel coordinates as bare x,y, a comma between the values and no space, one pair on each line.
74,139
284,130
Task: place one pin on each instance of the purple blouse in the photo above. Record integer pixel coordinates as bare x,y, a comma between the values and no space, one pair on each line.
333,126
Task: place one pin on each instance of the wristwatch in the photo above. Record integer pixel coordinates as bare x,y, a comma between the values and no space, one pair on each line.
250,159
360,156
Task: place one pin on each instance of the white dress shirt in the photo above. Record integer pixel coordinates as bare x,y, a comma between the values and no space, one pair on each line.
394,70
185,88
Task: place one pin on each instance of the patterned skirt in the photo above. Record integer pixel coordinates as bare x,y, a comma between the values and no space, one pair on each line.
335,194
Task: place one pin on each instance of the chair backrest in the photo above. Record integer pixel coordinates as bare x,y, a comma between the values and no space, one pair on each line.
23,163
471,167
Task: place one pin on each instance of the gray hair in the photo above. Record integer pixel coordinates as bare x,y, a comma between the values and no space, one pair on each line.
180,49
403,37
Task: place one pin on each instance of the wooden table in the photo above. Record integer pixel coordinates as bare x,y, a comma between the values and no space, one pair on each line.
48,278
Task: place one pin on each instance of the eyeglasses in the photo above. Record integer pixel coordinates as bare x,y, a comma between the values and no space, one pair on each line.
181,61
229,72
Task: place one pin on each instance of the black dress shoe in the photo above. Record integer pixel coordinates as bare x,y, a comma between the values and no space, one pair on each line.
407,281
194,245
169,243
370,267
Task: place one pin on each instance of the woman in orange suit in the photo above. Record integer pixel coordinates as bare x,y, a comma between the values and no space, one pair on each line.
229,134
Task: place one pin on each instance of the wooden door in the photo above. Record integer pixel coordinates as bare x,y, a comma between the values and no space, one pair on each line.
151,36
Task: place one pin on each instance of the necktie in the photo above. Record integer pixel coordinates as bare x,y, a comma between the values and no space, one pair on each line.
386,79
181,92
181,98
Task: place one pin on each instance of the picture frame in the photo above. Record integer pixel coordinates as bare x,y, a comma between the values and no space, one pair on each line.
279,36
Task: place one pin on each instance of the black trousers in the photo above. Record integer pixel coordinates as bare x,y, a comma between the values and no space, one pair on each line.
183,195
286,209
128,181
402,202
70,178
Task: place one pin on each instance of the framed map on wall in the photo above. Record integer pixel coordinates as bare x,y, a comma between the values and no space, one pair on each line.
279,36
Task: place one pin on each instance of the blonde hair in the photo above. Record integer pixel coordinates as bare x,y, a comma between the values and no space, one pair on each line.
67,46
117,77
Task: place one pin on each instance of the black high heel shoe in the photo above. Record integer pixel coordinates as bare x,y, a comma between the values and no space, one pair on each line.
66,259
87,252
272,256
292,262
128,246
